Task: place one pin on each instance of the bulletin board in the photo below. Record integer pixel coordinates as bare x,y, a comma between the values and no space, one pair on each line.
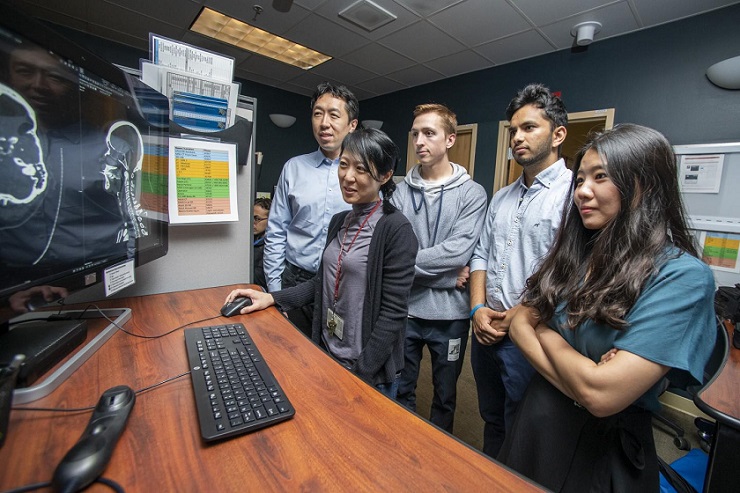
709,176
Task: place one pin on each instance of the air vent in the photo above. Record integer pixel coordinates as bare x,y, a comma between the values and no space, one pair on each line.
366,14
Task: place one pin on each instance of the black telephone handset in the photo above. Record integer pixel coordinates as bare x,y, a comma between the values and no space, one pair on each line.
88,458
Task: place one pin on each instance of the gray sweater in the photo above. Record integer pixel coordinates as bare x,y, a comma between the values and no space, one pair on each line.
447,218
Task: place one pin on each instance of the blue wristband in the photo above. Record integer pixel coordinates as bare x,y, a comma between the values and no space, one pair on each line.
475,309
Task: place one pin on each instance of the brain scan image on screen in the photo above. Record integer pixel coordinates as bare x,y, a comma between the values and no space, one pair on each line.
56,207
83,168
23,175
121,168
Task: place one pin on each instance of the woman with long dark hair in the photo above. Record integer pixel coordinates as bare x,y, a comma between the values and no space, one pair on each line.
362,287
619,303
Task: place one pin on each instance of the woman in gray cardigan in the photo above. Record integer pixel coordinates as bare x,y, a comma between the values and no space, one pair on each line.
361,290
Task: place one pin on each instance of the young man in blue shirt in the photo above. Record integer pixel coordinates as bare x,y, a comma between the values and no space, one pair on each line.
519,229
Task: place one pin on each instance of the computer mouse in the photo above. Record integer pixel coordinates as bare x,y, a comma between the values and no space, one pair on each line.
234,307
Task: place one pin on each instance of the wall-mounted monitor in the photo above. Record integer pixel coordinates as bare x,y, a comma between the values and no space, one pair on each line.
83,166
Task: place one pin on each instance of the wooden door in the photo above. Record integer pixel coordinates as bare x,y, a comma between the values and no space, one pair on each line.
462,152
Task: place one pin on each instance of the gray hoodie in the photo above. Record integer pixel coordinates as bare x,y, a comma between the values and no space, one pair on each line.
447,217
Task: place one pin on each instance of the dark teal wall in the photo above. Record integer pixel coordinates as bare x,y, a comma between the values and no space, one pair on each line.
654,77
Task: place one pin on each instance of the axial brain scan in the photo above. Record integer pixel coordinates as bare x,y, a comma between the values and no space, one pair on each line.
23,175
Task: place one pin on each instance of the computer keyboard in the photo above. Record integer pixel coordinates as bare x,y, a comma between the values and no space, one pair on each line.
235,391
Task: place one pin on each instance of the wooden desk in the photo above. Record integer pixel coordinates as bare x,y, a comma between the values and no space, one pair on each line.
345,435
721,400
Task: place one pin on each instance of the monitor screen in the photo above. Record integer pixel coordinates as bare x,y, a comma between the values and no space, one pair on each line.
83,165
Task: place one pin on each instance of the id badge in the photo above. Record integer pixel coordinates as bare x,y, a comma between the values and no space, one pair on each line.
334,324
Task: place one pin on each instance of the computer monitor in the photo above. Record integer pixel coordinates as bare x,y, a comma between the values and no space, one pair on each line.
83,166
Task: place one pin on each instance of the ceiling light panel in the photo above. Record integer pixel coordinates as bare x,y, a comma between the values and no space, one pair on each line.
242,35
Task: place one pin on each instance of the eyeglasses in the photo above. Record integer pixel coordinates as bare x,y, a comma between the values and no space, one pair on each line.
258,219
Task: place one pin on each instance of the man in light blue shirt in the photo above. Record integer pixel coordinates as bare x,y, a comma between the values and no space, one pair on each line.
519,229
307,196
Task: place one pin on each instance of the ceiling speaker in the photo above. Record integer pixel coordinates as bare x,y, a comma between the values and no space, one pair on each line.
366,14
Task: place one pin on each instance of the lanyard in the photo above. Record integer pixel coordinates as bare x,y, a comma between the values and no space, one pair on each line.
342,251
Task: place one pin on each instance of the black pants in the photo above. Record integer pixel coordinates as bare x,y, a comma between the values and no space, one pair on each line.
446,341
301,317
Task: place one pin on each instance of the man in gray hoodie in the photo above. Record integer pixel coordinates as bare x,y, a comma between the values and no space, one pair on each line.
446,209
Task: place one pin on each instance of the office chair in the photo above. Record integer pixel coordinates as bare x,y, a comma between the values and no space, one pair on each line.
705,427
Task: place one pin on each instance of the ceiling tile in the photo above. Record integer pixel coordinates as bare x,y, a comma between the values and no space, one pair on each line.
478,21
414,42
516,47
311,5
259,64
416,75
378,59
131,23
297,89
459,63
426,8
327,37
183,15
343,71
381,85
546,12
309,81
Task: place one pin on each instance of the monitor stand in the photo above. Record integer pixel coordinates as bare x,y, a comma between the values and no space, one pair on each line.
42,388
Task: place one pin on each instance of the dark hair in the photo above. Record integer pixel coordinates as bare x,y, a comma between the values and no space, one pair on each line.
351,104
620,257
263,202
379,152
541,97
449,119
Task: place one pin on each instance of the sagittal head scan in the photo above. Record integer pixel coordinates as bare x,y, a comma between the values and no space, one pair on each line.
121,167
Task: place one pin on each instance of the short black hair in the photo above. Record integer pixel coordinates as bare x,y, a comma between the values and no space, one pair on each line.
341,92
379,153
263,202
541,97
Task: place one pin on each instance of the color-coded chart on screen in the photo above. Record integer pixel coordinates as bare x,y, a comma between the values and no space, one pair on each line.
202,181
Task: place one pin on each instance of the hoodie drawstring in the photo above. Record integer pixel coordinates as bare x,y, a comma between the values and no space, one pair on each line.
417,208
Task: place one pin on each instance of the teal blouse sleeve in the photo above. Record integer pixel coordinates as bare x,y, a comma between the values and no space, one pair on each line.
673,321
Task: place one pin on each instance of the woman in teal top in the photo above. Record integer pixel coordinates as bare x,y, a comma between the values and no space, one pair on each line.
619,303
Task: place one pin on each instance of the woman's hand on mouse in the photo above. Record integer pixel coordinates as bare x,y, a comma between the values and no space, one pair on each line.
260,300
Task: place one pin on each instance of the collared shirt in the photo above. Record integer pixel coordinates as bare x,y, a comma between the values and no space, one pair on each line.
306,197
520,228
